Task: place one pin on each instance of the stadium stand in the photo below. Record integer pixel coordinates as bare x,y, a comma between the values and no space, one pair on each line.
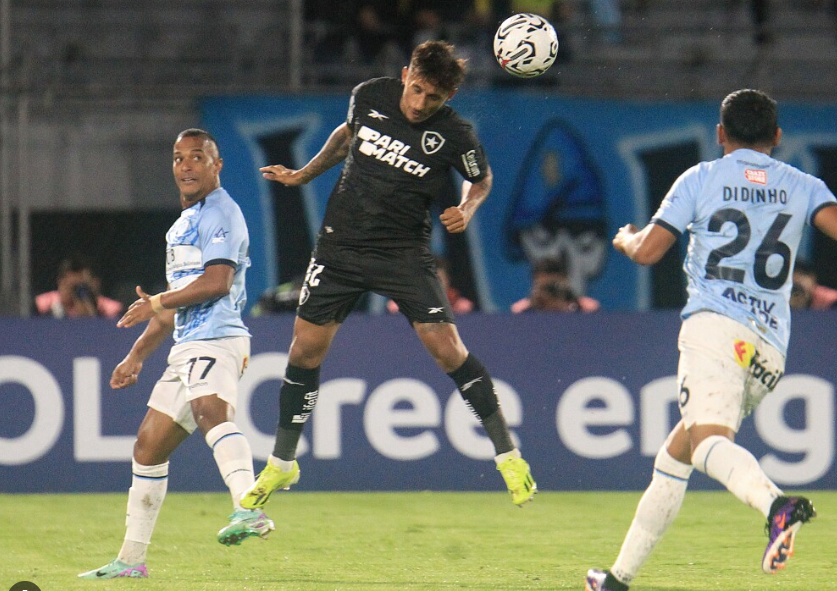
87,82
673,49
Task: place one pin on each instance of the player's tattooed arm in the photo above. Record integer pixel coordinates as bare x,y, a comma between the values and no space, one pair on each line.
456,219
333,152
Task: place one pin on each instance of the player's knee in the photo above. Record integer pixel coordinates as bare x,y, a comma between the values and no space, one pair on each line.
451,360
307,353
209,412
311,343
678,450
444,345
148,454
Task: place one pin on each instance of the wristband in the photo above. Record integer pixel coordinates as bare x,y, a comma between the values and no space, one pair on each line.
157,303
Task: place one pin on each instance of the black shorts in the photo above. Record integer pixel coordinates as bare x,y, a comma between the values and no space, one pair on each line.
338,275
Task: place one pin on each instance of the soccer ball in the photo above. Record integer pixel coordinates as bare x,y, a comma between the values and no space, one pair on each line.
525,45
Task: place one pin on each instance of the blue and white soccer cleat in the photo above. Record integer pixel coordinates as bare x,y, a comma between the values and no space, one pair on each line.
244,524
117,569
787,514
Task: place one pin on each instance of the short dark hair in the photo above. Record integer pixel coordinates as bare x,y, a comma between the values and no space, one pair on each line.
750,117
200,133
435,62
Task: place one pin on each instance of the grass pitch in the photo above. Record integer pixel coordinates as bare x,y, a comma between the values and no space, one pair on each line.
407,542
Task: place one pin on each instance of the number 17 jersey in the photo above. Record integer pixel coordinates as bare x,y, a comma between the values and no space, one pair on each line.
745,214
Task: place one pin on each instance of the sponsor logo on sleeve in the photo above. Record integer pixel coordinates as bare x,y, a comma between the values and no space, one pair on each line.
220,236
469,160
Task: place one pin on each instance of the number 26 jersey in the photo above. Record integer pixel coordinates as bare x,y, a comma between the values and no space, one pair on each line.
745,214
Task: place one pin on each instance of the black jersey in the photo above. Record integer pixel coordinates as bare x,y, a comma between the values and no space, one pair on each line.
396,169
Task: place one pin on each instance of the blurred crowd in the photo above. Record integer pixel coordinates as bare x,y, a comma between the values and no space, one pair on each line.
78,292
380,34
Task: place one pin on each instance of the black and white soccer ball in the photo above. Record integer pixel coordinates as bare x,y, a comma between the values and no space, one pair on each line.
525,45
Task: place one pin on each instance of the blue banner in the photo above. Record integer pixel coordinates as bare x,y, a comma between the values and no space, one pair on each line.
567,174
590,398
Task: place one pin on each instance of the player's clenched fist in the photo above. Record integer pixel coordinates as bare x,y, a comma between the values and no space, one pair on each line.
625,233
454,220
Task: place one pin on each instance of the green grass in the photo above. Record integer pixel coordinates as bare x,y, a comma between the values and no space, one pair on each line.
407,542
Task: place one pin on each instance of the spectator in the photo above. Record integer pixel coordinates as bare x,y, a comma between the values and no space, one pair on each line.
374,34
459,303
807,292
473,24
428,25
552,291
433,20
760,17
78,293
328,29
760,14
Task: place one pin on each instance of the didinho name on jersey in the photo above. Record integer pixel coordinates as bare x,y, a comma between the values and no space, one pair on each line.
388,150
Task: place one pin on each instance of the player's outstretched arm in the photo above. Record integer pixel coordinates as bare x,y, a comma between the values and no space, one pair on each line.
333,152
646,246
141,310
456,219
215,282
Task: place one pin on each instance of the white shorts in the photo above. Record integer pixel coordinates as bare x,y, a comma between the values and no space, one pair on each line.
725,370
200,368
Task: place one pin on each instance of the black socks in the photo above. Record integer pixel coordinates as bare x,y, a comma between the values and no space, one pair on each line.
477,389
297,400
300,390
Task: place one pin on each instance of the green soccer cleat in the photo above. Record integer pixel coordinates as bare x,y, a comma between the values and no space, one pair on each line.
117,569
518,479
244,524
271,479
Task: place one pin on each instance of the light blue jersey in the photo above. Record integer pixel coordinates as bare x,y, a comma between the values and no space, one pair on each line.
211,231
745,214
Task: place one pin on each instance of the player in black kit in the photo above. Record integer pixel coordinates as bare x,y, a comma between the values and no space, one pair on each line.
399,142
